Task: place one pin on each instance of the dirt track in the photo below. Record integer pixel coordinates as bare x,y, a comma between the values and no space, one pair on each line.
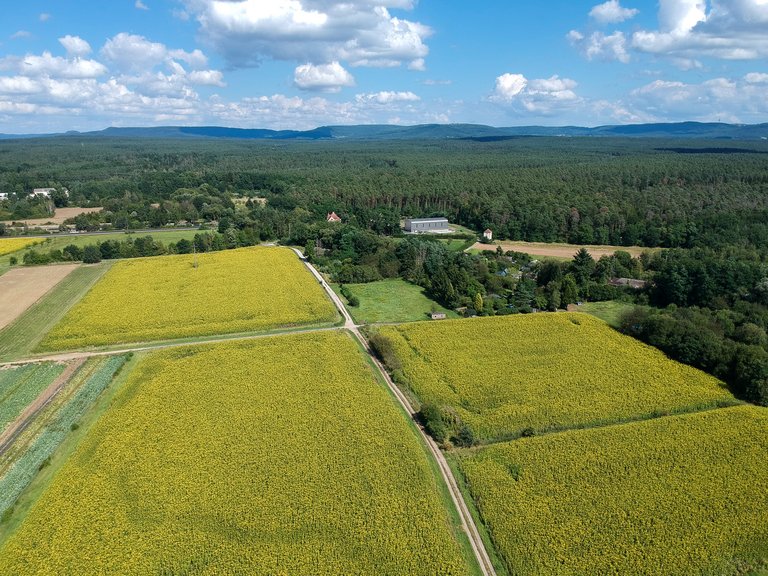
558,250
22,287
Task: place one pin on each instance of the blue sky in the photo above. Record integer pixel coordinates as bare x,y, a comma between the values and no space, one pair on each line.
87,64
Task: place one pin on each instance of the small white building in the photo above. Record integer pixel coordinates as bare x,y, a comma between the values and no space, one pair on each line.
3,195
488,234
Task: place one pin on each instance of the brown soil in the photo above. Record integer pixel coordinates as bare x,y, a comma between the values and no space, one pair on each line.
558,250
22,287
60,215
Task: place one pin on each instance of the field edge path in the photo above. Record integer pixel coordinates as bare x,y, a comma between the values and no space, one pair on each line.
467,521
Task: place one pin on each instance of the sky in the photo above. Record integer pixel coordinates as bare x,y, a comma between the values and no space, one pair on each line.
298,64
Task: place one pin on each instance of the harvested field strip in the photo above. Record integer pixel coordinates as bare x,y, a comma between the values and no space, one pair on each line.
22,287
19,338
20,385
503,376
565,251
173,297
273,456
39,440
675,495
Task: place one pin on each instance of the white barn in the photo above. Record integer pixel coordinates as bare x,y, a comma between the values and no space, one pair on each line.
421,225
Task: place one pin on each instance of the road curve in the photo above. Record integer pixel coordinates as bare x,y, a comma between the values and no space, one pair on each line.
467,521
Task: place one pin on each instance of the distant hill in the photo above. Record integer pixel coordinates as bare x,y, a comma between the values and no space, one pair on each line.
478,132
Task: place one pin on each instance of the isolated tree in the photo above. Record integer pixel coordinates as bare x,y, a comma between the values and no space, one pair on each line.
478,303
569,292
309,250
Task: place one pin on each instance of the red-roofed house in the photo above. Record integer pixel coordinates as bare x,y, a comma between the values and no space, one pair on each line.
333,217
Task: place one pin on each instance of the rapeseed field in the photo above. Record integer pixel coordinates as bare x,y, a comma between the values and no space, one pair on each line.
503,376
681,495
8,245
168,297
279,456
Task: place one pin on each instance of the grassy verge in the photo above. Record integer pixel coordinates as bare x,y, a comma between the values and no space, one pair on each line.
13,518
498,563
22,336
392,300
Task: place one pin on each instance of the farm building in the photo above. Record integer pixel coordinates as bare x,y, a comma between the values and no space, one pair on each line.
488,234
421,225
437,316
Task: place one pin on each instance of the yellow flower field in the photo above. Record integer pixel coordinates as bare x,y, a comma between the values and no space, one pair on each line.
8,245
167,297
503,375
277,456
681,495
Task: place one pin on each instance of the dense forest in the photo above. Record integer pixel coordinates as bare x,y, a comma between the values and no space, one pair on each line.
704,300
623,192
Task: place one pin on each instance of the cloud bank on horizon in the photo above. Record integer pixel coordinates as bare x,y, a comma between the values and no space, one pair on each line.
304,63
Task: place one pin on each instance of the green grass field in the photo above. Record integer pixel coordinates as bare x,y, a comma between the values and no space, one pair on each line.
280,455
392,300
20,385
18,339
609,312
676,495
503,376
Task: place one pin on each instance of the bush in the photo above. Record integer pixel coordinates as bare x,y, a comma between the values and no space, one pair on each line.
382,347
431,417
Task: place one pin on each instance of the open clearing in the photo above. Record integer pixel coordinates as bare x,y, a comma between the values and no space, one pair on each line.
559,250
22,287
277,456
171,297
60,215
676,495
548,371
392,301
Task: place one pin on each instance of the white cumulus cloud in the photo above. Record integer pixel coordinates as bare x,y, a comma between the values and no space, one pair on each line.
387,97
140,5
540,97
599,46
612,12
508,86
131,52
75,46
740,100
725,29
357,32
330,77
